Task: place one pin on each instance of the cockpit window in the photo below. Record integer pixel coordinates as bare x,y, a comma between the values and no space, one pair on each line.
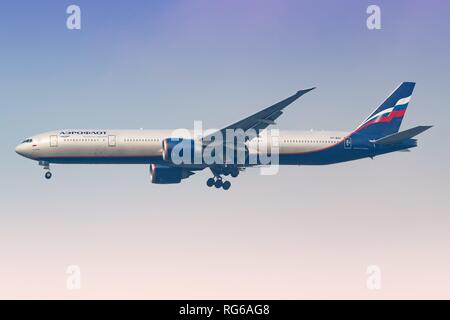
27,141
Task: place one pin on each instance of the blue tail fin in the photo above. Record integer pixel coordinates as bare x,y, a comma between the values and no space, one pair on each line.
387,118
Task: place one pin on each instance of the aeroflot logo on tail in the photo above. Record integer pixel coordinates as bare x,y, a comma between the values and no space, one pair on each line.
68,133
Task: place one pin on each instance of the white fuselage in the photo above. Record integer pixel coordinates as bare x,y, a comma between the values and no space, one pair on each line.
144,146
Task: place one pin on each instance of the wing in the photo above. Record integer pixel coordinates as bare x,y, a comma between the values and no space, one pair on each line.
261,119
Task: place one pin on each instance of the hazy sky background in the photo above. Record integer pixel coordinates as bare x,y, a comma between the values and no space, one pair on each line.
308,232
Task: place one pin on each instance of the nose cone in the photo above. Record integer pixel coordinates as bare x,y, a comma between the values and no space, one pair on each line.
19,149
23,150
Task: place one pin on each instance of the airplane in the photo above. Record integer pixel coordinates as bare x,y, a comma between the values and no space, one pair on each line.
378,134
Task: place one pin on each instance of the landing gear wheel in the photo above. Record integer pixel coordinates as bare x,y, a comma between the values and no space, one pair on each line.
48,175
210,182
226,185
234,172
218,183
226,171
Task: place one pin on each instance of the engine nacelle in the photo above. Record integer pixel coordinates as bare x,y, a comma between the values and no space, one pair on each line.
179,151
160,174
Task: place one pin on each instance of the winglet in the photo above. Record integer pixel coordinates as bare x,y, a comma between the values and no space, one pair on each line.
302,92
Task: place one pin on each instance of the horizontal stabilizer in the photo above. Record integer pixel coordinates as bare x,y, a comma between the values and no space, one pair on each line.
401,136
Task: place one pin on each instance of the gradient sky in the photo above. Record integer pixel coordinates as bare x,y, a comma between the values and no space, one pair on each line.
308,232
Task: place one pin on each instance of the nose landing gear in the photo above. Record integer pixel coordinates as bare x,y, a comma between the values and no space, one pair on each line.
46,165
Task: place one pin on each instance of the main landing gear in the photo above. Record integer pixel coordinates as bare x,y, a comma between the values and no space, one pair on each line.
217,180
46,165
218,183
230,171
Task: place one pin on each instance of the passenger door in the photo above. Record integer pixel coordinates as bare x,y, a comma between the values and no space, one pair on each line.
53,141
111,141
348,143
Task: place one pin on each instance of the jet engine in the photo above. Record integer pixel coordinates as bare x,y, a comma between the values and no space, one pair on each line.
161,174
180,151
